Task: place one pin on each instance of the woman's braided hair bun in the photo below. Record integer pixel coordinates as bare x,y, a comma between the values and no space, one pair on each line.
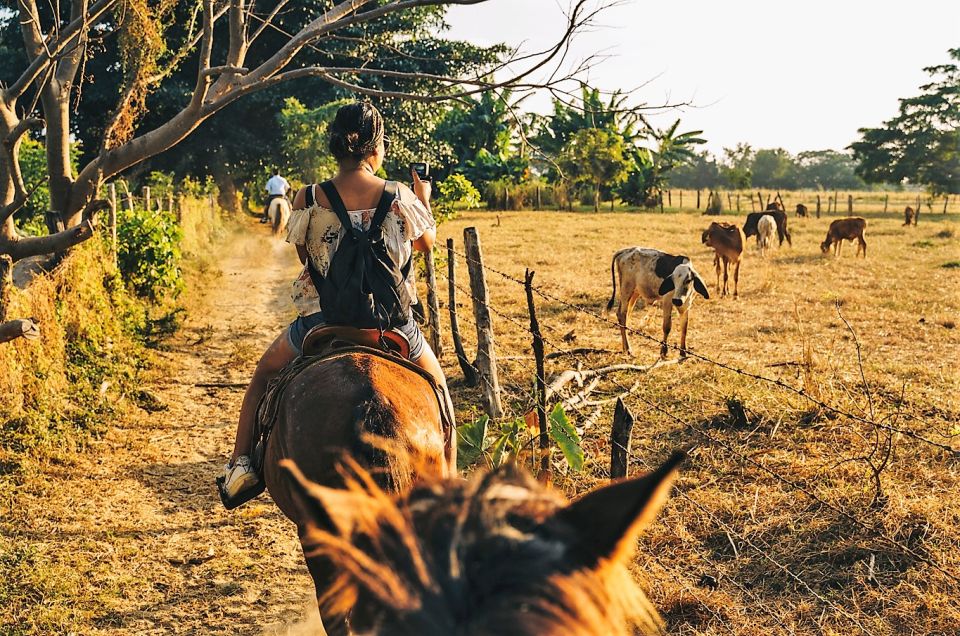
356,131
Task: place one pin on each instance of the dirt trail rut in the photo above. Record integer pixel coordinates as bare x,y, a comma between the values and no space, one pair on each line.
167,557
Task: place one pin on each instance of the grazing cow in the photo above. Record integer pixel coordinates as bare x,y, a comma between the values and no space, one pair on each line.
727,241
750,226
766,229
909,216
801,210
849,228
655,277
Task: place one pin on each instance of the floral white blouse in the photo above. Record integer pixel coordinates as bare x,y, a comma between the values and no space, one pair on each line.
320,232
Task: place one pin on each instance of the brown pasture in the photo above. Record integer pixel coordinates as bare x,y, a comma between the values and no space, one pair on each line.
746,517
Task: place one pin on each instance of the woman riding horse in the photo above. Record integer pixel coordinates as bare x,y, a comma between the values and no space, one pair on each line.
358,144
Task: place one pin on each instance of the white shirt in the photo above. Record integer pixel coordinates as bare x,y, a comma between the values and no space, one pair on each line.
277,185
320,231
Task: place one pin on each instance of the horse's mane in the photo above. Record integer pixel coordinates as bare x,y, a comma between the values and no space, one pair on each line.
478,557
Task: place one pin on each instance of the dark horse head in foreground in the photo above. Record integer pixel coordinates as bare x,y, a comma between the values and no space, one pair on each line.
497,555
382,415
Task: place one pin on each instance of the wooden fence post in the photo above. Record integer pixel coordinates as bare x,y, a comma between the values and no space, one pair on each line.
849,204
818,206
146,198
886,200
760,206
916,217
538,197
670,198
433,303
486,353
681,199
729,201
698,198
620,440
946,199
540,381
469,371
113,222
660,196
738,202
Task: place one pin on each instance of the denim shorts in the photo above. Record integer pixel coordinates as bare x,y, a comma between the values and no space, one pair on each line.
298,330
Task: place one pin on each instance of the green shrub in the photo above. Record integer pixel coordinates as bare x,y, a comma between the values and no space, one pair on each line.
453,193
148,252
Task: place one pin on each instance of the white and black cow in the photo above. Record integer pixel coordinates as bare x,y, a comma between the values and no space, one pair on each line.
655,277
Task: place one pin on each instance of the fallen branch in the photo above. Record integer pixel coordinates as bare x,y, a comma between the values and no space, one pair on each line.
19,329
575,352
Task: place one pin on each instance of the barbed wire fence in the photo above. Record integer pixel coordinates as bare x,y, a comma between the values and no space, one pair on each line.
523,398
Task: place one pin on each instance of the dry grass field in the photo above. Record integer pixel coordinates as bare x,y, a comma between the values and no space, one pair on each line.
773,528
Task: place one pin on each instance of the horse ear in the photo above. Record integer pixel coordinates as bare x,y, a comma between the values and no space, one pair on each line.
666,286
606,522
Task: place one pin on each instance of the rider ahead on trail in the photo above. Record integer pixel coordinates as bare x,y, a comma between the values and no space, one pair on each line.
276,188
402,223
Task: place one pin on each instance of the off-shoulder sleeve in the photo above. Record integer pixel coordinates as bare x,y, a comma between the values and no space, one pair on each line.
417,219
297,227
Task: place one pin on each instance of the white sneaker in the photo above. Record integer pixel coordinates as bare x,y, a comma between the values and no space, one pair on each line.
239,477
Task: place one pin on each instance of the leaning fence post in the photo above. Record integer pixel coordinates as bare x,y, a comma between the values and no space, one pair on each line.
433,302
541,383
113,222
469,371
946,199
620,440
486,356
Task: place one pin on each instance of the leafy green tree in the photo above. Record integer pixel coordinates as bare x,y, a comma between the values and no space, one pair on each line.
651,167
828,170
921,144
737,165
702,172
305,139
774,168
595,158
554,132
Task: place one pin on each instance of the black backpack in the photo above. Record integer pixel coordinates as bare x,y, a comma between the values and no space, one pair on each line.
363,287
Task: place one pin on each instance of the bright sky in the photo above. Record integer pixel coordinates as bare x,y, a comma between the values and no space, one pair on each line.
798,75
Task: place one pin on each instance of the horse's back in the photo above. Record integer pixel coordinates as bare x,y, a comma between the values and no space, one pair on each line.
383,415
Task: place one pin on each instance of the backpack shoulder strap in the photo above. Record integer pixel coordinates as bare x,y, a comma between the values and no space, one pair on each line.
308,193
383,207
336,204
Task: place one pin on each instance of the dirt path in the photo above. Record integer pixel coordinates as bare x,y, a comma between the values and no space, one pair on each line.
138,520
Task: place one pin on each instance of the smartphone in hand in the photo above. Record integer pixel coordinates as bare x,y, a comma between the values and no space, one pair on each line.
422,169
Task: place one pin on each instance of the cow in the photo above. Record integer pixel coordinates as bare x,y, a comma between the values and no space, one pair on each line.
766,229
655,277
909,216
801,210
727,241
750,226
849,228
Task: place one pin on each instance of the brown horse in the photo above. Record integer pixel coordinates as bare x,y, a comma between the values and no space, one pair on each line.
499,554
379,414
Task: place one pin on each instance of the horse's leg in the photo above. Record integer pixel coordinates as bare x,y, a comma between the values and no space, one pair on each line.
323,573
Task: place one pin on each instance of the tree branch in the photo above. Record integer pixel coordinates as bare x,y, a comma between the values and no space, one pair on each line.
34,246
51,52
11,148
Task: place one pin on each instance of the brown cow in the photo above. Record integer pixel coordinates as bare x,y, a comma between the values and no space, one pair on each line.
801,210
909,216
849,228
727,241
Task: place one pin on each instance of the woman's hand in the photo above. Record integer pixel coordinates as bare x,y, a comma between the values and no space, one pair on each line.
423,189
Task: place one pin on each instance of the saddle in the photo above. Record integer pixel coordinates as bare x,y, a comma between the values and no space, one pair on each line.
324,343
328,338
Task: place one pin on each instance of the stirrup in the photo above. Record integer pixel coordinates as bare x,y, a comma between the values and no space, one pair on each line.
241,497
